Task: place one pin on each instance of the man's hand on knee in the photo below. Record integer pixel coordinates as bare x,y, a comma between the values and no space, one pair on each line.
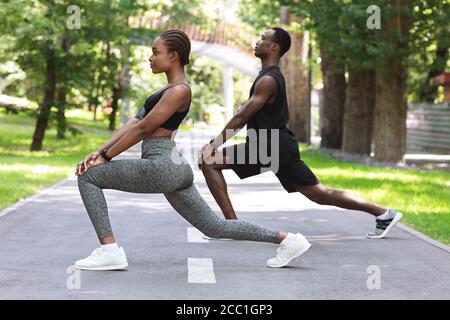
206,156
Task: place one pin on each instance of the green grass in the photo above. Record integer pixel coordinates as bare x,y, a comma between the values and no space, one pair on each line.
23,173
423,196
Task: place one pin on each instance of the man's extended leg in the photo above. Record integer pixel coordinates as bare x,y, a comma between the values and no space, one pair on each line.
339,198
385,218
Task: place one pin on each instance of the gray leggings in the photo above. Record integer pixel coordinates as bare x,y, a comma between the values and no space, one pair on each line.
162,169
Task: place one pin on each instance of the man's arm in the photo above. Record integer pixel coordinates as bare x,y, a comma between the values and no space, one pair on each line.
169,103
265,88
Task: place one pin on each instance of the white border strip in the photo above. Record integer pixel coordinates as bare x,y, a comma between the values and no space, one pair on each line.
423,237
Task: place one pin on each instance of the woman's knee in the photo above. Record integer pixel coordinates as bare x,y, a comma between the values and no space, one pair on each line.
82,179
86,178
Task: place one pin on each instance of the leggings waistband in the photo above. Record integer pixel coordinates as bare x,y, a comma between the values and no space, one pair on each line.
153,143
157,146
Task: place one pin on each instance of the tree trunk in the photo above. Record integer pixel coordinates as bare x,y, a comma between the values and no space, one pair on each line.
120,90
359,107
96,100
48,101
98,90
296,74
114,106
108,63
125,79
332,112
390,114
61,117
92,97
390,83
61,91
95,112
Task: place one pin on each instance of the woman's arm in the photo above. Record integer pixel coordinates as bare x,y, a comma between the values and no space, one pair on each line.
119,134
91,158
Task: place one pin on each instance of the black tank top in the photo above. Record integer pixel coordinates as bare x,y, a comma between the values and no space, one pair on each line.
174,121
272,115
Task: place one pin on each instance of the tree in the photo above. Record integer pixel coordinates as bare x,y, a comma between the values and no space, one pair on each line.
296,73
324,18
360,92
390,81
114,35
332,111
46,50
49,50
429,46
359,112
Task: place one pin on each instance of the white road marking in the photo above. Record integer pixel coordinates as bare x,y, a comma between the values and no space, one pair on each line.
200,270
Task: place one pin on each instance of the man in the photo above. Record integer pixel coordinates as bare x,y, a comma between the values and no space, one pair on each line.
266,113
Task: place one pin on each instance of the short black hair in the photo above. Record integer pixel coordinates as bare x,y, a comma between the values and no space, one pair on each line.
282,38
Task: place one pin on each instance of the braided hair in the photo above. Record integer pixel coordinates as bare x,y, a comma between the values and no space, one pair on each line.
177,41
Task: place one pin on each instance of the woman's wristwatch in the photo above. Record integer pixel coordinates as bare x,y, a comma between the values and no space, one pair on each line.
104,156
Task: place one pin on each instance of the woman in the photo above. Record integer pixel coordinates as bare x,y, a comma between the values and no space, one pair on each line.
158,172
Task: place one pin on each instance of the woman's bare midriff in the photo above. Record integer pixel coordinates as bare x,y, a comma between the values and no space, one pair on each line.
161,133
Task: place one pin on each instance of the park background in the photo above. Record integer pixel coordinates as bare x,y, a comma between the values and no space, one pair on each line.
368,88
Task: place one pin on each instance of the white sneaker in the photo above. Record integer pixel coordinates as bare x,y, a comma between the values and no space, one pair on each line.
101,260
288,252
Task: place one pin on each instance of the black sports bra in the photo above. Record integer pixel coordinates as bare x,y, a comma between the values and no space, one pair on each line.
174,121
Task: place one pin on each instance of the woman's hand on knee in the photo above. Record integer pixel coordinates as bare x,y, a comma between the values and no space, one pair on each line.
79,168
88,163
94,163
90,158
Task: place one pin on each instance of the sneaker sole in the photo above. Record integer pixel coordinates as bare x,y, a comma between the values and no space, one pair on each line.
295,257
104,268
396,219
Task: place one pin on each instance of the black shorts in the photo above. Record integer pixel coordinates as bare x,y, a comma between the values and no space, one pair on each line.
291,171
